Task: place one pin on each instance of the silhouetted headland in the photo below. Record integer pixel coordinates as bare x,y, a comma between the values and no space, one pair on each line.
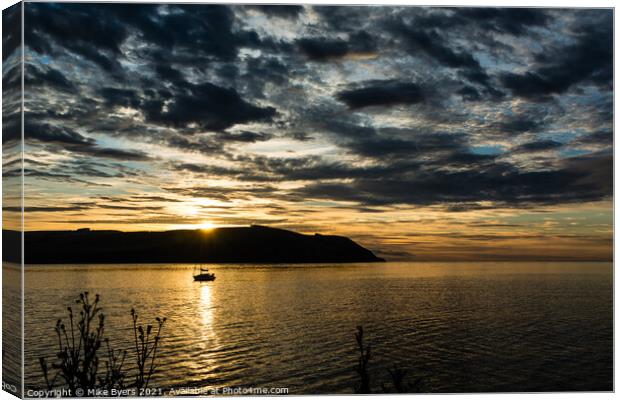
255,244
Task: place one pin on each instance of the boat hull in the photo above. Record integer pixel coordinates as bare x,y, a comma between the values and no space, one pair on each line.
204,278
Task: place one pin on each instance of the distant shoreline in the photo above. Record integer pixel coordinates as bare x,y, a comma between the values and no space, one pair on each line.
255,244
245,245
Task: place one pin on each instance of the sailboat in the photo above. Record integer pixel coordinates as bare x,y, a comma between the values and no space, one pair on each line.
203,275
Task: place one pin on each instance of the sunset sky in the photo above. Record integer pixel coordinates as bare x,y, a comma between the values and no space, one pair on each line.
421,133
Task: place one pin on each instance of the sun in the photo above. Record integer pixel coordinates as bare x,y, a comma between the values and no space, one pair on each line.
206,225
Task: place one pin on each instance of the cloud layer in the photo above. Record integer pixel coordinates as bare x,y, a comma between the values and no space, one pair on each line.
238,114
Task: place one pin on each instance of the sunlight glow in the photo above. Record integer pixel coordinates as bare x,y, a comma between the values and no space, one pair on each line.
206,226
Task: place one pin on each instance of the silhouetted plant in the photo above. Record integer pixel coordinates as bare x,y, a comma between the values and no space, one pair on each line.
397,374
79,344
77,360
398,383
114,376
363,387
146,349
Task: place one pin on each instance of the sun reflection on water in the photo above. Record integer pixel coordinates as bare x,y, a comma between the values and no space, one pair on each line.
206,309
207,342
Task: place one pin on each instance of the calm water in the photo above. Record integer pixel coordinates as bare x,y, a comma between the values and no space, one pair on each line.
459,326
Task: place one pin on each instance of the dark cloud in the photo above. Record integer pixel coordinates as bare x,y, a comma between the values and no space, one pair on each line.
206,31
11,31
117,154
19,160
465,207
167,73
244,137
11,127
580,179
75,142
120,97
382,93
97,33
479,77
225,193
264,169
588,59
86,169
594,170
431,44
60,135
344,19
533,147
466,158
79,207
519,124
602,137
202,144
77,27
50,176
195,106
442,36
206,169
208,106
324,49
269,69
347,129
315,168
11,78
45,209
35,77
469,93
416,144
514,21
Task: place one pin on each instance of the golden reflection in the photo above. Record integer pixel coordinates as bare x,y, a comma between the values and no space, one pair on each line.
206,308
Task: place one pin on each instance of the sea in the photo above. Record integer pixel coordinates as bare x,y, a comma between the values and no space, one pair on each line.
451,327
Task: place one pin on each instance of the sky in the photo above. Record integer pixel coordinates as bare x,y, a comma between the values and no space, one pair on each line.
421,133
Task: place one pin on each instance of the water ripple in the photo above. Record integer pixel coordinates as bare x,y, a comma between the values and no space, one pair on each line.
504,327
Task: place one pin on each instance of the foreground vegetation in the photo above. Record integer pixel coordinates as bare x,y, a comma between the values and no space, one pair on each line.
397,382
86,360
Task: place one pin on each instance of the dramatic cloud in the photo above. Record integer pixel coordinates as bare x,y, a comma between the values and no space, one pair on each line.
421,144
11,32
432,45
514,21
364,121
382,93
576,182
587,59
51,78
532,147
324,49
76,143
207,106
